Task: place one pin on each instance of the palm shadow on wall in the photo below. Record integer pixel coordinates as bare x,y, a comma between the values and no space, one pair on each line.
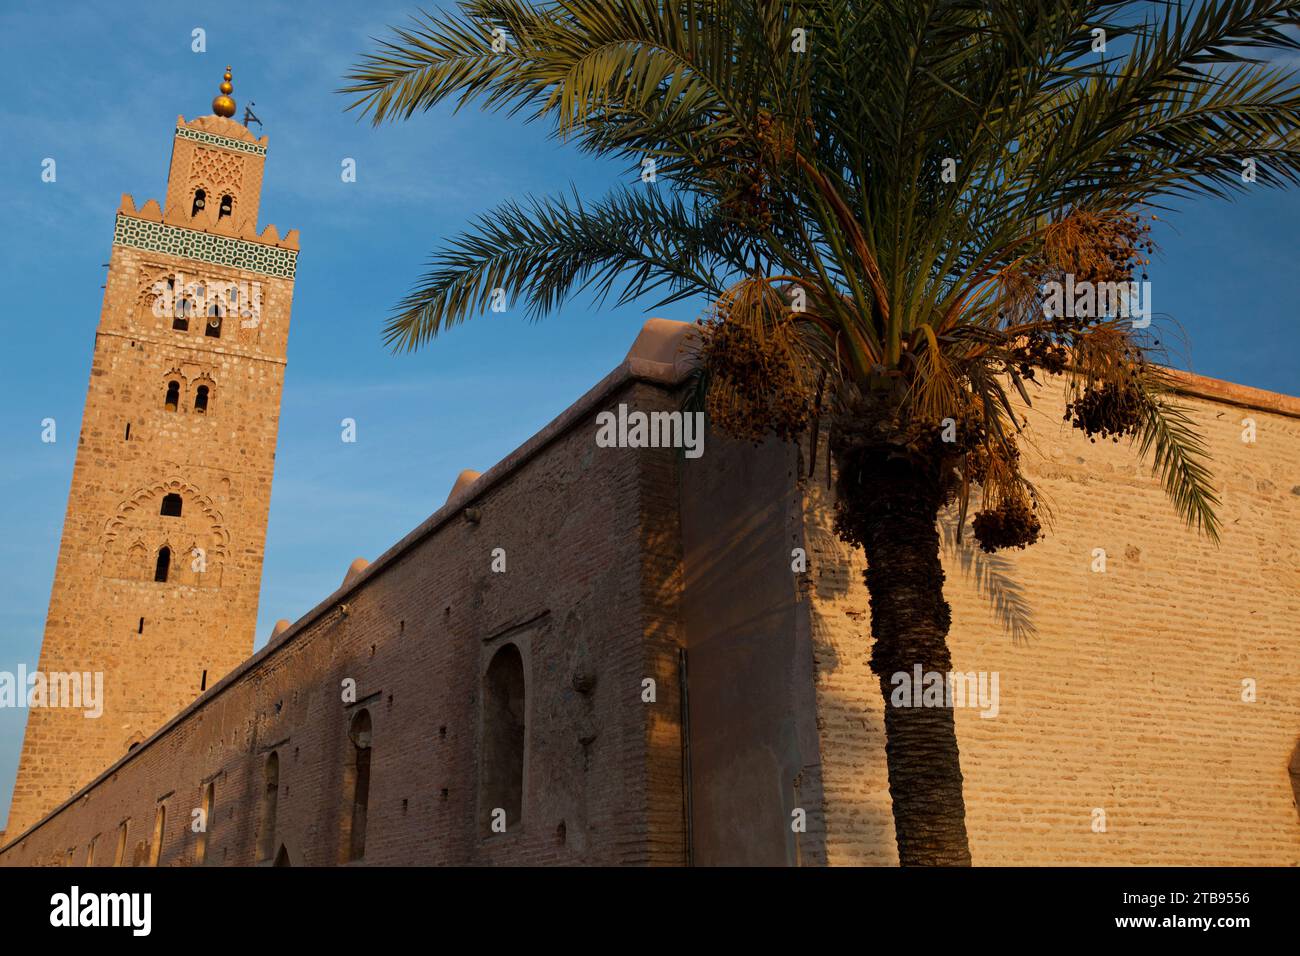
993,575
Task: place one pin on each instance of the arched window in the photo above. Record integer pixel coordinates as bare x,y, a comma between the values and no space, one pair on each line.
201,400
120,853
213,327
282,857
173,399
209,820
164,564
1293,768
171,506
180,308
200,200
270,801
159,828
357,779
227,206
504,738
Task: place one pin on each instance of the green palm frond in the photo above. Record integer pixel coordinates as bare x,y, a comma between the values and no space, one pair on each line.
545,250
1168,437
902,160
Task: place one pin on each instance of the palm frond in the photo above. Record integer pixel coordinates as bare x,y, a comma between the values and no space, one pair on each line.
914,163
1178,454
547,250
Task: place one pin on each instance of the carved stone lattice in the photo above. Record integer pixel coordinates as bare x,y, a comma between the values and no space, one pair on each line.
216,172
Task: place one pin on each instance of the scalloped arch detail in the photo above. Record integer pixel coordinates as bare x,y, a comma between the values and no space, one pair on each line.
137,523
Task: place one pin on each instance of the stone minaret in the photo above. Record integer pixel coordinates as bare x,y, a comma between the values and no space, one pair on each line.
160,564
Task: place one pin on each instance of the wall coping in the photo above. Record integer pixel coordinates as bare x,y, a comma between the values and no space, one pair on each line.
666,375
1230,393
658,357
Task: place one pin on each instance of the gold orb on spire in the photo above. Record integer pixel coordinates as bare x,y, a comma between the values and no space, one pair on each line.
223,105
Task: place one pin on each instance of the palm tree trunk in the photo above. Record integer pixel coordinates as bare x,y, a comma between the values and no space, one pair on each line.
890,506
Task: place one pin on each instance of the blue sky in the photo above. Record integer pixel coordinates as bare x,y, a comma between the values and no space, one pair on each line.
98,87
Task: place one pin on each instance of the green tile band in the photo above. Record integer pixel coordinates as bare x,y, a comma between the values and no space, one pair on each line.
225,142
204,246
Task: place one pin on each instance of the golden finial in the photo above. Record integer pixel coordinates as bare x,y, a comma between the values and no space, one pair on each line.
223,105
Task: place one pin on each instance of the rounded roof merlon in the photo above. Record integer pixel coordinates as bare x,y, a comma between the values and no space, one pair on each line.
463,481
666,344
355,569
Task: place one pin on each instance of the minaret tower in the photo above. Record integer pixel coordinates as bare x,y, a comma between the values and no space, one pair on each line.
156,586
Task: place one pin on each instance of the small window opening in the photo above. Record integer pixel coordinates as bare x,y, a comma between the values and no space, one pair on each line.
359,774
120,852
159,828
200,200
163,565
208,820
504,738
173,396
171,506
270,804
227,204
140,630
201,400
180,308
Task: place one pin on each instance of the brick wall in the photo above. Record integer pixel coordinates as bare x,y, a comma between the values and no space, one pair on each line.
588,596
1128,696
1119,692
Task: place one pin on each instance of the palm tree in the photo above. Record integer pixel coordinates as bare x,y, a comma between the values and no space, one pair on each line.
871,199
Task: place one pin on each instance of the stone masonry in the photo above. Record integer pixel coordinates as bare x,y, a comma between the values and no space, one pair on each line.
181,415
1121,691
596,655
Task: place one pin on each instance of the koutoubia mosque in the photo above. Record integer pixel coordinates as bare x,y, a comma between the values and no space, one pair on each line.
652,681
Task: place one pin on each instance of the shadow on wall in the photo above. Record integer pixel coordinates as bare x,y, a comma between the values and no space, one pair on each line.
992,575
859,819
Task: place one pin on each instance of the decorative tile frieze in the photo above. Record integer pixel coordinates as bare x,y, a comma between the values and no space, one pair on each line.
225,142
206,247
